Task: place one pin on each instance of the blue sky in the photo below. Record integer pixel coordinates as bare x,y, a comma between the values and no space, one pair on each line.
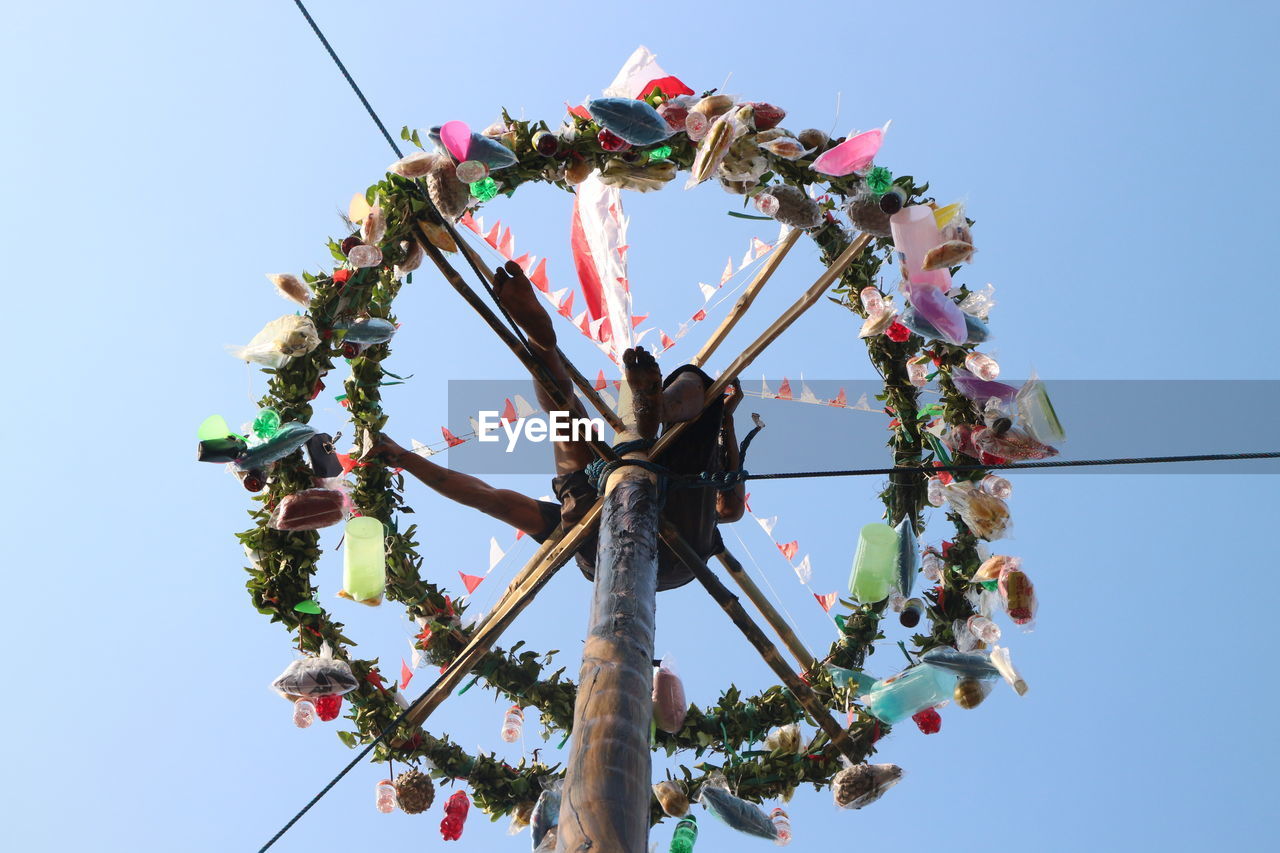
160,158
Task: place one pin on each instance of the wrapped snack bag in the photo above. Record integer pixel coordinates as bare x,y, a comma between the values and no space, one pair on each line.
737,813
669,703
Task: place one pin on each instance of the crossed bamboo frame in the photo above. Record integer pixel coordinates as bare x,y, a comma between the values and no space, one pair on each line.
560,546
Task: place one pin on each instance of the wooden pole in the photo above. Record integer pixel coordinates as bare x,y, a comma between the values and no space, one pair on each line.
729,604
806,301
748,296
605,800
767,610
546,561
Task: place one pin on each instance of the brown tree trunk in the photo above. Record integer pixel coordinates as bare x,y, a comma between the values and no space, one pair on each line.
605,806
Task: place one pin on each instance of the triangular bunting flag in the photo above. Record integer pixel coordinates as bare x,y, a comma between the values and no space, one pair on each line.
807,395
765,391
707,291
519,534
804,571
768,523
495,553
566,307
469,221
453,440
862,406
406,674
347,462
789,550
601,383
748,257
583,324
509,415
507,245
492,237
471,581
609,400
596,330
760,247
700,316
784,390
636,321
840,399
667,343
420,448
525,262
539,276
728,272
746,501
826,602
556,297
523,409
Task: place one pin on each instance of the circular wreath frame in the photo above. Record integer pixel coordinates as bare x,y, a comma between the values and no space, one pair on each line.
283,564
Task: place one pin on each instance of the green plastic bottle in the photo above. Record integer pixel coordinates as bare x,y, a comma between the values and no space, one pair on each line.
686,835
875,564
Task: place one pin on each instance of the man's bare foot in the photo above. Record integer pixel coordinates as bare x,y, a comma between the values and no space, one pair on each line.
514,290
644,380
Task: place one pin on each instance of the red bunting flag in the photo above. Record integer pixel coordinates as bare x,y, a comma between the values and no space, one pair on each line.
347,463
566,307
746,501
840,399
601,383
636,321
784,390
406,674
789,550
471,581
507,245
525,262
453,440
700,316
492,237
667,343
539,276
826,601
469,221
509,415
580,111
519,534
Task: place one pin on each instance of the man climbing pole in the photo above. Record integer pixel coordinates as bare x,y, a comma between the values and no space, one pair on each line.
708,444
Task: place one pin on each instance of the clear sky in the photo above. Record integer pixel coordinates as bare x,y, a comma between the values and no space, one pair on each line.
159,158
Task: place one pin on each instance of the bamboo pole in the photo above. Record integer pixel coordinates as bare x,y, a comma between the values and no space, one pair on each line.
748,296
729,604
545,562
806,301
580,381
533,365
767,610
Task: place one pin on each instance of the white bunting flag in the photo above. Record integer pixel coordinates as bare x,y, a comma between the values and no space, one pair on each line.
768,524
495,553
804,571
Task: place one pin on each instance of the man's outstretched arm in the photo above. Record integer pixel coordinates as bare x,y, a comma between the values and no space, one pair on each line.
520,511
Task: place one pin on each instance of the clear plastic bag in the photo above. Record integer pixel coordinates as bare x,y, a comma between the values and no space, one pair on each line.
631,119
1036,412
279,341
736,812
669,703
985,515
366,331
672,798
862,784
287,439
546,811
1013,444
309,509
315,676
786,738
